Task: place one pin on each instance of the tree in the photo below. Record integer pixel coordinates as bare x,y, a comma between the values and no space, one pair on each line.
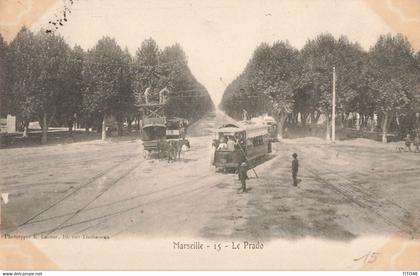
52,90
156,70
145,69
23,77
319,56
187,97
273,72
106,87
314,86
352,80
4,83
394,78
266,85
70,104
127,106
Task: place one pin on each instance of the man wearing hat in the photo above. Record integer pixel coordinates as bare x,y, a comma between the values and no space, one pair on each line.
242,173
295,168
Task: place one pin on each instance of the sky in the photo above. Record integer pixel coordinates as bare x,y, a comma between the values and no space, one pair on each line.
218,36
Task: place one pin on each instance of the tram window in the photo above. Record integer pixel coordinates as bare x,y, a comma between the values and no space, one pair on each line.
249,143
153,133
239,137
257,141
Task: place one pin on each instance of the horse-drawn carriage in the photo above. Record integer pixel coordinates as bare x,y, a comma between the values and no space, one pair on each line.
153,136
163,138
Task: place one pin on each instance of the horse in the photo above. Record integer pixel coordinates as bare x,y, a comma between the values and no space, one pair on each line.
172,150
181,145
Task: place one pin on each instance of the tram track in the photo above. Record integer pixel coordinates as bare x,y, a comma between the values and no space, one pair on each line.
363,199
48,225
73,192
97,196
106,217
174,209
127,199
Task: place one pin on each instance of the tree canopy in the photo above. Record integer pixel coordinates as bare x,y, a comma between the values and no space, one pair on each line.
283,81
43,79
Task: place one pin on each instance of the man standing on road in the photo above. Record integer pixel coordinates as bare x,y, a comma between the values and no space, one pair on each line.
243,176
295,168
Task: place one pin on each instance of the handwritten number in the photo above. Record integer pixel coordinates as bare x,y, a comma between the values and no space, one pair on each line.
370,257
373,257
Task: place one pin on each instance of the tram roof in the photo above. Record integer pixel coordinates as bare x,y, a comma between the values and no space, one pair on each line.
154,125
264,119
251,128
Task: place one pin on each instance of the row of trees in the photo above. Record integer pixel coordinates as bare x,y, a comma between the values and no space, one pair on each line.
285,82
43,79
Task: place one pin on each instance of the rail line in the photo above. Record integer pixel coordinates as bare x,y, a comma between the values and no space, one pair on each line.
97,196
365,200
126,199
90,181
181,192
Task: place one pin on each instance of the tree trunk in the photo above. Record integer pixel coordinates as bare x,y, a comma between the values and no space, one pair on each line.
327,121
362,121
119,128
342,117
44,139
70,126
71,130
357,121
318,114
281,120
129,124
304,117
25,129
104,128
385,128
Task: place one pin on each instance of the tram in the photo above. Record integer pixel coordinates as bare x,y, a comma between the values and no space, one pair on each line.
240,142
272,125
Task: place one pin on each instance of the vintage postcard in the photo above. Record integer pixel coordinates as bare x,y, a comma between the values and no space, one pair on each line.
210,135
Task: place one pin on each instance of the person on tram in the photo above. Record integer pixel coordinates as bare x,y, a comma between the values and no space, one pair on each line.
231,144
249,143
222,144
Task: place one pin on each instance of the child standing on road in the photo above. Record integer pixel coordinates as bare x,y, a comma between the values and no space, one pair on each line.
295,169
243,176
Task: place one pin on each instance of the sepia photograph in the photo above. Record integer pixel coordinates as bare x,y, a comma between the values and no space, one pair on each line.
210,135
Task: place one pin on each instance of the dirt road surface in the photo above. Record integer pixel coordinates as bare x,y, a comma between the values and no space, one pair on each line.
108,189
